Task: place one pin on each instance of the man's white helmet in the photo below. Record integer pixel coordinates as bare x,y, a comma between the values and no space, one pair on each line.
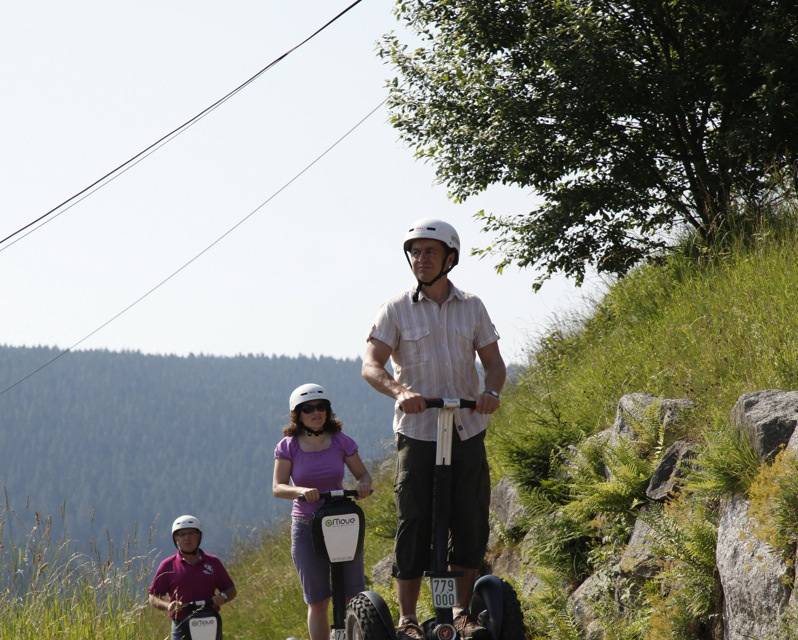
186,522
306,393
434,229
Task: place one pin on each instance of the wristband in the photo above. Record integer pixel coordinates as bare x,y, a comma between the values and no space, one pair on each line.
224,596
493,393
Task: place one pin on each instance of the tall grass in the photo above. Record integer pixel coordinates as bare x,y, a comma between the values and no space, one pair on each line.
49,590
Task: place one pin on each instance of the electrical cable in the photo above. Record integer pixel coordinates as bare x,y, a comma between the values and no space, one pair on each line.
193,259
131,162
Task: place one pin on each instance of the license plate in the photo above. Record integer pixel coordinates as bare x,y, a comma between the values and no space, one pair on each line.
444,593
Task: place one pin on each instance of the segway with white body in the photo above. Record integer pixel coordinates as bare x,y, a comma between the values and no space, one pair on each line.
338,530
494,600
202,622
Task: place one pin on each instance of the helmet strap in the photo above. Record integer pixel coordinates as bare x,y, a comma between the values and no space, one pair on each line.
443,272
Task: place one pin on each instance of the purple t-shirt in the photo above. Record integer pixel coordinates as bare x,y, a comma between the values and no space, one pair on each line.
322,470
188,582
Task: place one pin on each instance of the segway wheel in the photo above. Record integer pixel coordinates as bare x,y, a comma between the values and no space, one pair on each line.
365,621
496,605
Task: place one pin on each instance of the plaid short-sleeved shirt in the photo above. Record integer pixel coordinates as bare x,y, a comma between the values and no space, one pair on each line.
433,353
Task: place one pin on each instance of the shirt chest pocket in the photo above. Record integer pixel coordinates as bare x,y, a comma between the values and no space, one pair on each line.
462,345
415,346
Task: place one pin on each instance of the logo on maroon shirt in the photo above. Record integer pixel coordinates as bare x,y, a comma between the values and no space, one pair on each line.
207,569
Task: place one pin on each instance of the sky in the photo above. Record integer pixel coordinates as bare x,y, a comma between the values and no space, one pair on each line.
86,85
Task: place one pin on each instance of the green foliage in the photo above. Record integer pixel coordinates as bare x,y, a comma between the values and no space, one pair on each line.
592,492
726,465
549,616
685,599
532,444
631,120
774,503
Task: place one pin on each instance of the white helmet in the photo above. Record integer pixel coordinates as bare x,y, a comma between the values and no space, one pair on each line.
434,229
185,522
305,393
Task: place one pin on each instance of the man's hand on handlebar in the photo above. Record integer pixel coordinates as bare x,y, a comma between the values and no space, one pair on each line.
411,402
174,607
486,403
218,601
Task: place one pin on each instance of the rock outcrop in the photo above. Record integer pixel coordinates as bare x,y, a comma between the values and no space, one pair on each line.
755,580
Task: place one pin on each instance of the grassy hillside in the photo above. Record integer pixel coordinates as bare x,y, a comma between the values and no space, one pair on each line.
708,330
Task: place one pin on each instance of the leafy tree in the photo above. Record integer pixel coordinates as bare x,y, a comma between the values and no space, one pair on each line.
633,120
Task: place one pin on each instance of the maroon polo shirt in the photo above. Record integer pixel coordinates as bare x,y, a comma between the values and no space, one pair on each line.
187,582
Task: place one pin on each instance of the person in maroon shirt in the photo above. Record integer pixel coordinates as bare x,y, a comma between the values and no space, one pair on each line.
189,575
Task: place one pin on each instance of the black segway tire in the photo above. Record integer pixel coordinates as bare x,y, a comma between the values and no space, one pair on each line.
497,608
368,618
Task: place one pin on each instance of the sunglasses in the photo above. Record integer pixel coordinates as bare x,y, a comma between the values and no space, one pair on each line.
310,407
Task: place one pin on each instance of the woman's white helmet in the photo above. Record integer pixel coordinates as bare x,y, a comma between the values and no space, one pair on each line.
434,229
186,522
306,393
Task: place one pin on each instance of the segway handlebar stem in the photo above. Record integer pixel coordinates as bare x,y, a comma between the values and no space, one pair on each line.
450,403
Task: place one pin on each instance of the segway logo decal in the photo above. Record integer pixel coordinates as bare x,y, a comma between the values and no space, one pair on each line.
340,522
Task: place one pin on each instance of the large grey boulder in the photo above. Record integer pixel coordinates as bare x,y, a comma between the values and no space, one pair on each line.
633,409
638,559
672,468
753,577
582,604
768,417
511,564
507,512
381,572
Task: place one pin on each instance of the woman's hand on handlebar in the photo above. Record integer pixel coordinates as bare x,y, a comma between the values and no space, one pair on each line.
310,494
411,402
364,488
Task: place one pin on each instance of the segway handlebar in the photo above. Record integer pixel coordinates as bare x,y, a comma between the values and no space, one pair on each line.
335,493
450,403
196,605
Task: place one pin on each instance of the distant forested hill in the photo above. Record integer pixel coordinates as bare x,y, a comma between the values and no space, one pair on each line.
124,442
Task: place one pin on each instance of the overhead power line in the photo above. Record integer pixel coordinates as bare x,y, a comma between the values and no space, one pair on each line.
131,162
198,255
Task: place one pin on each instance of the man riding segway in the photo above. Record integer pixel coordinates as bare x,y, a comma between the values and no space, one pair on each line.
191,585
432,334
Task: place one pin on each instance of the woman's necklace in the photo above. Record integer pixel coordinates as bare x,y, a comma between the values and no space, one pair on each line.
310,432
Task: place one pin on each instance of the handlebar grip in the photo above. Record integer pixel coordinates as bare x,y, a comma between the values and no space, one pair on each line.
439,403
198,604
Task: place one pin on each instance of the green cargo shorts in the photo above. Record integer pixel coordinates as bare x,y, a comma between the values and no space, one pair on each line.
470,500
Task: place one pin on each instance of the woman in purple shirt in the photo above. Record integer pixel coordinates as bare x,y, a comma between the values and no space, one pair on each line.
309,459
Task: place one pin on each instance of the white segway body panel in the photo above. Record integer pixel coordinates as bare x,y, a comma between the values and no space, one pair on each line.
203,623
338,530
206,628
